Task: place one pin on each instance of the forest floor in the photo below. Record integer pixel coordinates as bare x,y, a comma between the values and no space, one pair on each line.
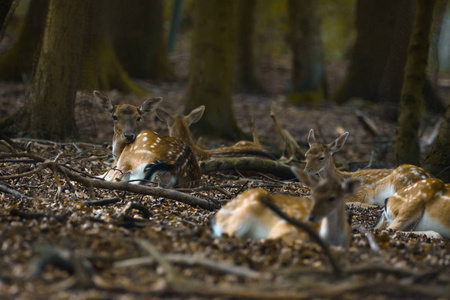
56,243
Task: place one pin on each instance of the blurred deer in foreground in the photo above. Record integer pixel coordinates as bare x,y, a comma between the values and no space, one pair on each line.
423,207
377,184
179,128
146,155
246,216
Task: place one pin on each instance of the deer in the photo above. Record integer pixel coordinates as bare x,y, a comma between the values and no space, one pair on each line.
146,156
423,207
324,211
377,184
178,126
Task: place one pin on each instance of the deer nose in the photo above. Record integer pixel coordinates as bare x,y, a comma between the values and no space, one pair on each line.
129,136
311,218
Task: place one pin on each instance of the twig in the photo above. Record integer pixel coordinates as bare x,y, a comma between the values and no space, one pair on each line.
192,260
9,190
29,216
372,243
170,274
101,202
267,202
131,205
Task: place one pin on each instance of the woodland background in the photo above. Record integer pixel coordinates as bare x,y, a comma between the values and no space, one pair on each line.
327,65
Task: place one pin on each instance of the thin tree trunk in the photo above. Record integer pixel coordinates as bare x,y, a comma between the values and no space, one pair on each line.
377,59
7,8
18,60
407,148
307,53
49,110
247,80
139,39
100,67
212,65
438,160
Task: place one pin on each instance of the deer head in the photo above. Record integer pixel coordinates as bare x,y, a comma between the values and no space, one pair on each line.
126,119
318,157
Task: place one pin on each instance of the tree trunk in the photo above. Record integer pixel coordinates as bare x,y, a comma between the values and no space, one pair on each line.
49,110
407,143
246,78
438,160
212,64
7,8
18,60
139,39
375,70
100,67
307,53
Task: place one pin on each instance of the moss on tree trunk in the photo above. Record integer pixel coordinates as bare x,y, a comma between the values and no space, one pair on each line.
212,66
307,53
139,39
18,60
100,67
49,109
438,160
407,142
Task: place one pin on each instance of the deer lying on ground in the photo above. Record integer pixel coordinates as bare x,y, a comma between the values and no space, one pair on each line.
423,207
179,128
246,216
146,155
377,184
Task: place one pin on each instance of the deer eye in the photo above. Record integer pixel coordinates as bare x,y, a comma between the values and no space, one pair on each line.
115,118
138,119
331,199
322,158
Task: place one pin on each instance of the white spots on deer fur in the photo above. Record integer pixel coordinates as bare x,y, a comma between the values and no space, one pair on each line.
145,139
143,151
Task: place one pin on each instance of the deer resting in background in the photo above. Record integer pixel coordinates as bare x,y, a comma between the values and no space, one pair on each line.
423,207
146,155
179,128
324,210
377,184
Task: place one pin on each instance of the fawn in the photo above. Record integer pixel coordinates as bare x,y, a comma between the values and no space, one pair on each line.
423,207
246,216
179,128
146,155
377,184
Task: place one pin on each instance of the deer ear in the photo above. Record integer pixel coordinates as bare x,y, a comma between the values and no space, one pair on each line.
104,101
350,186
337,144
311,138
149,105
163,115
195,115
307,179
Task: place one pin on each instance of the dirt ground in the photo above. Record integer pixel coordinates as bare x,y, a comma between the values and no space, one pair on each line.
58,244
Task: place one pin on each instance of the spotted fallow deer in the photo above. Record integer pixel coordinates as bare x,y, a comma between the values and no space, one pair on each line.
324,211
423,207
377,184
146,155
179,128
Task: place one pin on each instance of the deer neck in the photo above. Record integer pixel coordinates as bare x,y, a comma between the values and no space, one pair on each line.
117,147
184,134
331,171
335,229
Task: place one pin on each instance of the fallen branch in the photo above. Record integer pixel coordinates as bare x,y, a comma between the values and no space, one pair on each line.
90,183
101,202
243,164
